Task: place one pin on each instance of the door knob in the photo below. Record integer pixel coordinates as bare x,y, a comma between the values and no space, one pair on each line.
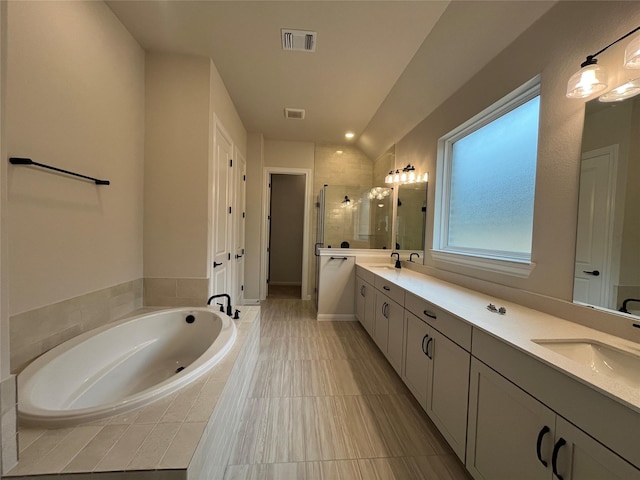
595,273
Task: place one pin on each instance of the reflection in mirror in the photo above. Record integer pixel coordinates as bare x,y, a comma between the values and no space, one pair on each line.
607,270
411,216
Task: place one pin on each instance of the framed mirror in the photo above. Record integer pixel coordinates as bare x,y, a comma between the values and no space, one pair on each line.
607,270
411,216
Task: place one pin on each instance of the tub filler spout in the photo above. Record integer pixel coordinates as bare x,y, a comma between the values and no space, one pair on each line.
229,309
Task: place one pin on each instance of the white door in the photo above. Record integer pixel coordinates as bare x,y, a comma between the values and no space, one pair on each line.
238,215
592,282
221,271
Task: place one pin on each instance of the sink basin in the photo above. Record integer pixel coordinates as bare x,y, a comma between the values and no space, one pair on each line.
603,359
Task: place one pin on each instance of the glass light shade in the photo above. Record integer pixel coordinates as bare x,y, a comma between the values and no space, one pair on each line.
628,90
388,179
632,54
396,178
587,81
425,177
403,177
412,176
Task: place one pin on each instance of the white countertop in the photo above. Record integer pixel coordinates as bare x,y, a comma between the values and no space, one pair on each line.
518,327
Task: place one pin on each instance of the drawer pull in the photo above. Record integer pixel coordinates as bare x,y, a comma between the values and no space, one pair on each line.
338,258
541,435
427,349
385,308
386,288
424,350
554,458
362,288
430,315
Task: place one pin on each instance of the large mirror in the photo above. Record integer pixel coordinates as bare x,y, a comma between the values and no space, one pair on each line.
607,270
411,216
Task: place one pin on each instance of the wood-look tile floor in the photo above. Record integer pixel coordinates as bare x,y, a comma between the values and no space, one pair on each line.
325,404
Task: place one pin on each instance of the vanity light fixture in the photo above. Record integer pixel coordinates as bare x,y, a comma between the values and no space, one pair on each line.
406,175
592,78
628,90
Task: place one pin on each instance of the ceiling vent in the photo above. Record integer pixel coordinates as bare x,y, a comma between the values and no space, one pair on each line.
294,113
299,40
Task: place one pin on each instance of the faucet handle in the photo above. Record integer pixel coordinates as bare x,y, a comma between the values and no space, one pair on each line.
221,306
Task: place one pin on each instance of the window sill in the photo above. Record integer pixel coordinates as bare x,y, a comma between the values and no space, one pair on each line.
514,268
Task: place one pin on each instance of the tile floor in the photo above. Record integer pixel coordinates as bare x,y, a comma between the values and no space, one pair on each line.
325,404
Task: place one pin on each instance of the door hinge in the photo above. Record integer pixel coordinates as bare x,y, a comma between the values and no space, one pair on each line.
244,178
243,214
229,209
243,251
242,288
228,256
230,162
267,249
269,185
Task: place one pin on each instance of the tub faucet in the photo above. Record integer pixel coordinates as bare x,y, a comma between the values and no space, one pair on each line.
229,309
412,254
623,308
398,264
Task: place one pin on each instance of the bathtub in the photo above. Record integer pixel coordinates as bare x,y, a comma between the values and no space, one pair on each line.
122,366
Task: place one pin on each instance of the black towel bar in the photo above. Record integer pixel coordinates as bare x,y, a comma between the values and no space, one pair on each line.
28,161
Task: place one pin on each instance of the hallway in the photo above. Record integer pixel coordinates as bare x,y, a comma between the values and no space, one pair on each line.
325,404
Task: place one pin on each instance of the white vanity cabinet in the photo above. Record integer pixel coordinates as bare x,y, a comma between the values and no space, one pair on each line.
336,286
389,328
436,369
365,304
512,435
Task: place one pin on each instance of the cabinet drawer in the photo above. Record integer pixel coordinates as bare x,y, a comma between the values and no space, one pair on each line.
445,323
390,289
365,274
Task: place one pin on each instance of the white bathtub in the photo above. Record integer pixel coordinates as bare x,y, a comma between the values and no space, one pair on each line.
122,366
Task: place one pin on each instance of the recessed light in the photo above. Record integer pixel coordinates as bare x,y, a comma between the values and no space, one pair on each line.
349,135
339,152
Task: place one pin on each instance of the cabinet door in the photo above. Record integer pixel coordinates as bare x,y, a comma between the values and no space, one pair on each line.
580,457
448,393
395,344
416,362
381,328
365,304
510,433
360,297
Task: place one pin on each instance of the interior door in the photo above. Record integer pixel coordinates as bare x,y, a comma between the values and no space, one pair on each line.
592,282
238,215
221,270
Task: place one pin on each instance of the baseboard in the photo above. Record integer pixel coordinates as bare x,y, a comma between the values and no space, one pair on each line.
333,317
251,301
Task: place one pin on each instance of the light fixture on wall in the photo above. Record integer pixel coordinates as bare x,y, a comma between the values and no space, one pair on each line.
592,78
346,202
628,90
379,193
406,175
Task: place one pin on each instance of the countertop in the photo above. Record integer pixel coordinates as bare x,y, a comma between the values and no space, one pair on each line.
518,327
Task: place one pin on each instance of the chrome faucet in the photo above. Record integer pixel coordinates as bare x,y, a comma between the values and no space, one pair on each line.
398,264
412,254
229,309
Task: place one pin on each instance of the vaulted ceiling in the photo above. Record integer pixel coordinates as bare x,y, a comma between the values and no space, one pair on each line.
379,67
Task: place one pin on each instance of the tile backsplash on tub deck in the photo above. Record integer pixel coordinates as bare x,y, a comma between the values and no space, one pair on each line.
34,332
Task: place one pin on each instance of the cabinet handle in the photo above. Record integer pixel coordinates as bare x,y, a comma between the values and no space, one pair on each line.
362,290
554,458
541,435
386,288
337,258
384,310
424,350
430,315
427,349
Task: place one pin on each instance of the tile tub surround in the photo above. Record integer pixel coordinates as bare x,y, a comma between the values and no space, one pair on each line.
37,331
175,292
8,405
160,441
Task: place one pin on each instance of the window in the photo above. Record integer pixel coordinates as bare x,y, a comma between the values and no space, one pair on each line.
485,187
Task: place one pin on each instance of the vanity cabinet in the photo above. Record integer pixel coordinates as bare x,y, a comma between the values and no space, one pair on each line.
365,304
389,329
436,370
513,435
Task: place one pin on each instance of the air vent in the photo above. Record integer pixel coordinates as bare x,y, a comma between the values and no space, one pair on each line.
294,113
299,40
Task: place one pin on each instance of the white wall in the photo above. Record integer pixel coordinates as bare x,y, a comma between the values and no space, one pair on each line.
253,239
287,222
553,47
75,99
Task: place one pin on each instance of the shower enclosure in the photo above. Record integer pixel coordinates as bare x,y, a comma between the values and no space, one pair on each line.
355,217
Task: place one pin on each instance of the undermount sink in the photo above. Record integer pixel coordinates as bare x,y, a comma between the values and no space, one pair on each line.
603,359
